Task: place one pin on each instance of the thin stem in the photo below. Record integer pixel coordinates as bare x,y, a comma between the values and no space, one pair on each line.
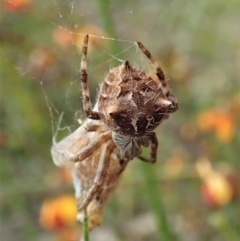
85,226
114,46
156,203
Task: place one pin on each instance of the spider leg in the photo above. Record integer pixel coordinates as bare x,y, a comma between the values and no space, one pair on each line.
159,72
154,147
95,127
83,78
91,147
100,178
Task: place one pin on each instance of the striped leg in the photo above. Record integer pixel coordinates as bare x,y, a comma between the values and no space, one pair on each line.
163,85
100,178
159,71
83,78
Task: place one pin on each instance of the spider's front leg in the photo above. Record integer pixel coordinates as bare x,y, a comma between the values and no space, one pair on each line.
159,72
154,146
83,78
100,178
163,84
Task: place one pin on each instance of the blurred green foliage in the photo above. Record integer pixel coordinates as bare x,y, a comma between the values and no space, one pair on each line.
198,45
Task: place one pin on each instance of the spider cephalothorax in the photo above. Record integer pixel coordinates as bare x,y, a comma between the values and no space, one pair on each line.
131,104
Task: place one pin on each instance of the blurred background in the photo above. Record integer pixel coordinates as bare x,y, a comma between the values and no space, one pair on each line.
192,192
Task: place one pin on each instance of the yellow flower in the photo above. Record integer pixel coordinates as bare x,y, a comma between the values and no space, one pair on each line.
216,190
58,213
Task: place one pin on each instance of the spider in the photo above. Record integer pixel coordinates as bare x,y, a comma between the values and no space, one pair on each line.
130,106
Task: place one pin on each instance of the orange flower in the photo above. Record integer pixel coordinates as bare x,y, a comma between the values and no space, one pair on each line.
220,121
91,30
58,213
15,5
63,37
216,190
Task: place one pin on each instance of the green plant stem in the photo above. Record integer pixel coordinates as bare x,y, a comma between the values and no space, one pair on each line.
85,227
114,47
154,194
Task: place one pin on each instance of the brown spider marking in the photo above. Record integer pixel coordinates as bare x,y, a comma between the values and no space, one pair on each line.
131,104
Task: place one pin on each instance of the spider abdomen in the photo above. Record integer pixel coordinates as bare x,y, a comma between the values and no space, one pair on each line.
131,102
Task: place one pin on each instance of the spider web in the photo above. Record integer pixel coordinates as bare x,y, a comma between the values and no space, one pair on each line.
129,49
42,100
